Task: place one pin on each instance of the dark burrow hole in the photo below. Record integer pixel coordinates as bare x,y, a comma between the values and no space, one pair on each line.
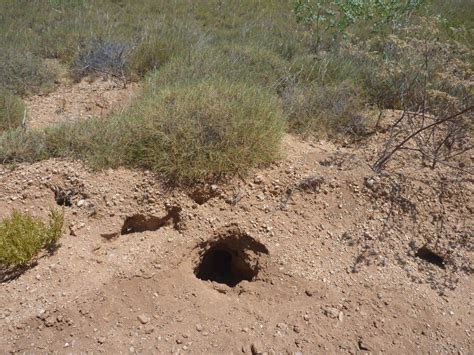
220,264
141,223
232,258
428,255
63,197
202,195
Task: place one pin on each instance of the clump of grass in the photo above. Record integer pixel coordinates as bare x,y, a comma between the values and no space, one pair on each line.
237,63
23,73
12,111
22,237
199,130
204,129
18,145
161,42
317,110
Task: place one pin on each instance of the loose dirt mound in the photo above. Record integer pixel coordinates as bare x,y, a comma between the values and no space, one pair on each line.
314,254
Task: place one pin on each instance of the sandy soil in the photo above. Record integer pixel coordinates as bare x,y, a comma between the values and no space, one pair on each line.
333,259
71,102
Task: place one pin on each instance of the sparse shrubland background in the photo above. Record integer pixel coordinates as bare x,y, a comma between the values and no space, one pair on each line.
222,80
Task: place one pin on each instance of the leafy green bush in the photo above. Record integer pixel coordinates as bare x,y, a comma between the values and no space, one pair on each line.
12,111
336,16
23,236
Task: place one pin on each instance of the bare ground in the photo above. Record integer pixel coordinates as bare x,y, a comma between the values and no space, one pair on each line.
340,260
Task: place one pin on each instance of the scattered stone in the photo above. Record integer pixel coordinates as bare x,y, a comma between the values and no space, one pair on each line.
143,318
50,321
363,345
257,348
149,329
370,183
101,340
297,329
258,179
199,327
331,312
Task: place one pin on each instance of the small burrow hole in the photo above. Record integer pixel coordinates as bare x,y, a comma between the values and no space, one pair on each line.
63,197
141,223
202,195
230,258
430,256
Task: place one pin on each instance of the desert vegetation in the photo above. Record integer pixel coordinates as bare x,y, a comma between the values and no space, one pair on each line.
244,176
22,237
213,69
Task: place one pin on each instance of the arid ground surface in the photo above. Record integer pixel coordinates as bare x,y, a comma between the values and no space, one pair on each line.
332,257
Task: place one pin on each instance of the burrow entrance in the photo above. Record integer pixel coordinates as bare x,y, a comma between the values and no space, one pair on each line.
141,223
430,256
230,257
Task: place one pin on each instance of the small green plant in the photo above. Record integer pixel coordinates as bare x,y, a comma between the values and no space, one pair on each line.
12,111
22,237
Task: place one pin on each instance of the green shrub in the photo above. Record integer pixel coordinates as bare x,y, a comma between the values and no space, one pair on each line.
12,111
370,49
417,70
334,17
23,236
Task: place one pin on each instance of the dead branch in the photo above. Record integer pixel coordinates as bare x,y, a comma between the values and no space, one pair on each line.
378,165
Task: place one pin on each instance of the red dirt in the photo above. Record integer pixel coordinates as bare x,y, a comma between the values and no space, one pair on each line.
71,102
341,273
